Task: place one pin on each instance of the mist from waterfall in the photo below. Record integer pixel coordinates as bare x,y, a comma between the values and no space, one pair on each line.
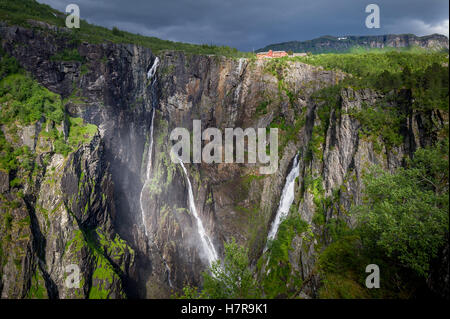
286,200
147,174
150,77
208,247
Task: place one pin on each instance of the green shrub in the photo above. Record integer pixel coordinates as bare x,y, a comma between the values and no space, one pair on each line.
68,55
7,220
79,132
15,182
117,32
27,101
279,279
336,286
8,65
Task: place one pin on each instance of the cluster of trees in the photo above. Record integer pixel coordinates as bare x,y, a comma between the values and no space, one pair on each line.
406,213
25,100
232,278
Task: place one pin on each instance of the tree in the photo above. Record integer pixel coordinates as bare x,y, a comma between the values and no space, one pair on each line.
231,278
405,213
117,32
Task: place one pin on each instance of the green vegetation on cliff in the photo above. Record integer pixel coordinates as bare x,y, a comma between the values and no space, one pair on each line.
24,100
27,103
100,248
279,278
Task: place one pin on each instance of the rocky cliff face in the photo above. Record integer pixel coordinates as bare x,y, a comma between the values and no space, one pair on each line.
65,213
78,208
234,200
63,218
338,167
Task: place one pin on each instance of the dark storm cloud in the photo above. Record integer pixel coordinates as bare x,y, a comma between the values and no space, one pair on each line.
248,24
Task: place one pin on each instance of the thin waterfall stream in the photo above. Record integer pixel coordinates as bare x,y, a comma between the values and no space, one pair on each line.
207,244
286,200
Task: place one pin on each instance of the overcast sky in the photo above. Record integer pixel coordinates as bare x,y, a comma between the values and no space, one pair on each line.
252,24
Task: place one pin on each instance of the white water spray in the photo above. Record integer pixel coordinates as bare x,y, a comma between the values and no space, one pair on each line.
287,198
151,73
208,247
241,61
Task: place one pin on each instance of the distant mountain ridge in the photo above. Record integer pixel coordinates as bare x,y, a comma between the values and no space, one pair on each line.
329,44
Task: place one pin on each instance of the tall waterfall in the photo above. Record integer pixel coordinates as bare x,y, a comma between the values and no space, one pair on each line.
287,198
152,71
208,247
147,174
150,77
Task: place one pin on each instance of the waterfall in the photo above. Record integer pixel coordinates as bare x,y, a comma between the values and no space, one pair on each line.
208,247
152,71
287,198
241,61
150,76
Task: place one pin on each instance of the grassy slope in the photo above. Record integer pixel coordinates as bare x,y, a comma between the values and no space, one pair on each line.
361,62
19,12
